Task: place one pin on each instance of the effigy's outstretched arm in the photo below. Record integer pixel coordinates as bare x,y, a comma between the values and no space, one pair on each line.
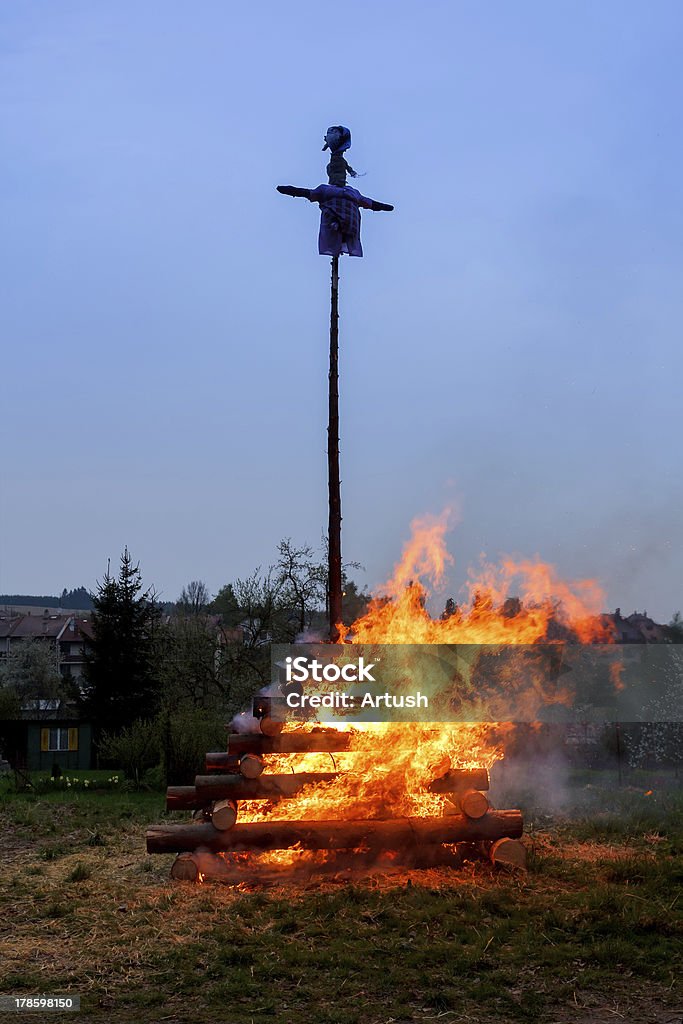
298,193
373,204
307,193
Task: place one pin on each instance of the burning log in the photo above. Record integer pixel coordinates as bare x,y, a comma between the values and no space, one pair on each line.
396,833
194,867
458,780
318,740
262,707
473,803
236,787
224,815
271,726
266,787
219,761
251,766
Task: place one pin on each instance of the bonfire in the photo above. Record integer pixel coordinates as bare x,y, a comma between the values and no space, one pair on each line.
287,797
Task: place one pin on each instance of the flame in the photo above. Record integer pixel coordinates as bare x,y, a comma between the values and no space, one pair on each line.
388,767
400,616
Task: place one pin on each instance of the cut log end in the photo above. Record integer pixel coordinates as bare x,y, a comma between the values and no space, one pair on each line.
508,853
270,726
224,814
474,804
251,766
185,868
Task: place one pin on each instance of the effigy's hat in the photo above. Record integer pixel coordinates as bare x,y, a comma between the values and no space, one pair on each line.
337,139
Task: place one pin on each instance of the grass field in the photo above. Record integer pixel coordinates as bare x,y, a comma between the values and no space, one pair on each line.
593,932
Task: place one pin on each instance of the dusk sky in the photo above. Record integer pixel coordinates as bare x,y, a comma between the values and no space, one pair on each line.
509,342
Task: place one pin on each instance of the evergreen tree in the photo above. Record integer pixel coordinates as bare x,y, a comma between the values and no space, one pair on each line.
120,682
226,605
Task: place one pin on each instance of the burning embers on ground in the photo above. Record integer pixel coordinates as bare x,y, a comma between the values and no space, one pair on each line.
307,799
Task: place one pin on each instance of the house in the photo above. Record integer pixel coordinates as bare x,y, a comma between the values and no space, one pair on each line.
68,635
637,628
48,732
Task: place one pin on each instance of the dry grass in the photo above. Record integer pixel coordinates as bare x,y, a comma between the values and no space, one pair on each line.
592,932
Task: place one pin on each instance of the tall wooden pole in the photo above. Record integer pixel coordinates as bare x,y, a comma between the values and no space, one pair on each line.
333,481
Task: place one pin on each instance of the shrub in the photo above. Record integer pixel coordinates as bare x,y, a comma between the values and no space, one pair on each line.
186,735
136,749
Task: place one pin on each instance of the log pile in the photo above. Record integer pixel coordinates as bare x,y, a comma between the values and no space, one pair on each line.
238,774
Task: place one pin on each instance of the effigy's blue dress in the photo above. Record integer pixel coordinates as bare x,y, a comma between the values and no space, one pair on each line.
339,219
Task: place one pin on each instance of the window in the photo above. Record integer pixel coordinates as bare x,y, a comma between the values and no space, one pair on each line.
59,739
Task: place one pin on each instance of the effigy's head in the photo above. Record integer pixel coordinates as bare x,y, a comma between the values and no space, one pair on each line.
337,139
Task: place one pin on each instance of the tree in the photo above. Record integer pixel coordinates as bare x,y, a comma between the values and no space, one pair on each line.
10,706
674,631
78,598
186,734
194,598
301,580
189,660
135,749
355,602
271,606
120,683
31,674
226,605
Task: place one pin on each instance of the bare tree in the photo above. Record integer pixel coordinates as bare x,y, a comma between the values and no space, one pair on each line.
31,674
303,579
194,598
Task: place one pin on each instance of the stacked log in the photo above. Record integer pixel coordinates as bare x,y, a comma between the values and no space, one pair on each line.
224,814
208,788
316,741
456,780
251,766
394,833
238,774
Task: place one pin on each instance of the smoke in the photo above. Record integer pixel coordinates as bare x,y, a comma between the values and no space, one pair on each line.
637,556
538,783
245,724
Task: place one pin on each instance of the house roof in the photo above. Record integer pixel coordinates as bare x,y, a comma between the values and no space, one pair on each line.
51,627
7,624
50,711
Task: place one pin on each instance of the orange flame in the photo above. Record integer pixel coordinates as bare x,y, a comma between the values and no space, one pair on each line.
389,766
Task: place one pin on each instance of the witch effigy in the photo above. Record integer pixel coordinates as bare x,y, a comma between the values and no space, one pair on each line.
340,207
340,204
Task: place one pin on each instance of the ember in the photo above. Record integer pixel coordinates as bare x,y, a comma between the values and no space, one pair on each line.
411,793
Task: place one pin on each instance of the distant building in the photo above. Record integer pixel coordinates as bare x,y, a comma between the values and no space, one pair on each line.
48,733
69,636
637,628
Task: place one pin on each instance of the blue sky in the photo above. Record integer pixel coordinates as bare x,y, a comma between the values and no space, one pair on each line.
510,341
